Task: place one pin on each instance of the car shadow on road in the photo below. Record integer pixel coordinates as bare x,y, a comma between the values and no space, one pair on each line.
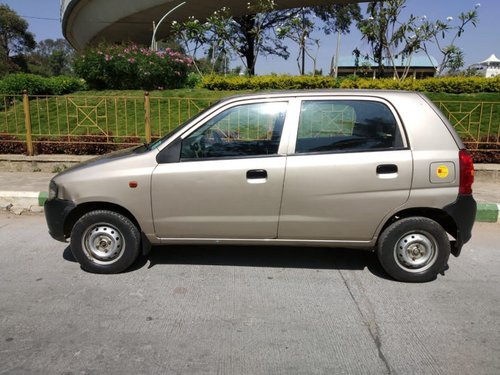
261,256
266,257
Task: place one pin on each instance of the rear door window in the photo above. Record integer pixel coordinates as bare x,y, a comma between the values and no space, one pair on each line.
346,126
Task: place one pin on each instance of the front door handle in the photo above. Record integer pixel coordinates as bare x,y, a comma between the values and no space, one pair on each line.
387,168
254,174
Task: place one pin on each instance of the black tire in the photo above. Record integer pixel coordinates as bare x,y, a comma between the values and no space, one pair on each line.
104,241
414,249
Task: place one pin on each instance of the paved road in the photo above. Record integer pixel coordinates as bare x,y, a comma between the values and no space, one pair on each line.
212,310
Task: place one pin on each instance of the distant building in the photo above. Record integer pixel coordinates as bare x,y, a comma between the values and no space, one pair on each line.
488,68
418,67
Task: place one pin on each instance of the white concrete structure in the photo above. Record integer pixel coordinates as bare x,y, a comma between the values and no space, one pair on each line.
489,67
89,21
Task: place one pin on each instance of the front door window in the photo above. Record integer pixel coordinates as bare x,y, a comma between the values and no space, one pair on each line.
247,130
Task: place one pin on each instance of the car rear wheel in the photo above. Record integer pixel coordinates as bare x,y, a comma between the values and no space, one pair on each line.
104,241
414,249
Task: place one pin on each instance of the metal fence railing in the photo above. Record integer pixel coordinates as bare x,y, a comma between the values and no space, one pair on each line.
127,120
117,120
477,123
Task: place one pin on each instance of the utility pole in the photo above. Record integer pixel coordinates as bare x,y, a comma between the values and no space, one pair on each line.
336,59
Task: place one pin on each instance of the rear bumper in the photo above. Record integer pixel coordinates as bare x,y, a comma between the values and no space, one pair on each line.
463,212
56,213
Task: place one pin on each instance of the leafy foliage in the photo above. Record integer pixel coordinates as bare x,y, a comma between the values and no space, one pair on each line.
268,82
248,36
131,67
15,84
390,37
80,145
453,85
51,58
15,40
298,28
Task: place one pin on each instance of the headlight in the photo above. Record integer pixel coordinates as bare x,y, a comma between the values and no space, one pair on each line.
52,190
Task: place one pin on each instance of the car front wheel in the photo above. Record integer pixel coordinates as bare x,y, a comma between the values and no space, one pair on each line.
104,241
414,249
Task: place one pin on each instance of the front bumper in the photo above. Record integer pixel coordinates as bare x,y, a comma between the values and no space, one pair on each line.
56,213
463,212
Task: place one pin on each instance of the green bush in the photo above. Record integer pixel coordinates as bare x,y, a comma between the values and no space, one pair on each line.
123,67
61,85
452,85
15,84
268,82
193,80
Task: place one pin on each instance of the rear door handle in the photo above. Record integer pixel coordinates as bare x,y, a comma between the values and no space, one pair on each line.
254,174
387,168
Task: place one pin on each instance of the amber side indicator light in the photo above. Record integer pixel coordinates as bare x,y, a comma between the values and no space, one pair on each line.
133,184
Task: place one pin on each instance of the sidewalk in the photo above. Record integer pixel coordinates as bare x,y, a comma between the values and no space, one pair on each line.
27,191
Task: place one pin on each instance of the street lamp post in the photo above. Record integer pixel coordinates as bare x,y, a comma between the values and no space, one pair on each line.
154,45
336,61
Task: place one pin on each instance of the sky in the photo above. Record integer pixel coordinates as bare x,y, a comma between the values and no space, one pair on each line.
477,43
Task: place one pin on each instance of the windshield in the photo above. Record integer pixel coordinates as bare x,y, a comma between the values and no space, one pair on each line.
184,124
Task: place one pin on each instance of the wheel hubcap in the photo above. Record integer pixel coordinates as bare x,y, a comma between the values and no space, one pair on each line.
416,251
103,243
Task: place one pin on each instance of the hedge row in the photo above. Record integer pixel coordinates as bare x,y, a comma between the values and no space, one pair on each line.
77,145
453,85
231,83
15,84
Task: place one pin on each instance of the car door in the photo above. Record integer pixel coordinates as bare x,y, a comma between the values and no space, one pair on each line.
348,167
228,179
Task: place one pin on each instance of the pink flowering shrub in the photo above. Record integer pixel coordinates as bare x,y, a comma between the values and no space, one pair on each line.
132,67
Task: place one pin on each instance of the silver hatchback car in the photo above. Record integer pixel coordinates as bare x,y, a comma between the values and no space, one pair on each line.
376,170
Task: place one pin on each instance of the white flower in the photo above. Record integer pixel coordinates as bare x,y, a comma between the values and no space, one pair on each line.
370,18
424,17
477,5
449,19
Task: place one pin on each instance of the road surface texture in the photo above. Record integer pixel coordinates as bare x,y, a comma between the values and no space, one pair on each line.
237,310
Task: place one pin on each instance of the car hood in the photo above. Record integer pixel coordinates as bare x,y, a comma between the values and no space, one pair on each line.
106,159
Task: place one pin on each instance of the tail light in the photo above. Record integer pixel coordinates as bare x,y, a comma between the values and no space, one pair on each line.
466,173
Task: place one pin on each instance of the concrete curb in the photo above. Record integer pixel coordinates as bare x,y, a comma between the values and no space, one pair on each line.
19,202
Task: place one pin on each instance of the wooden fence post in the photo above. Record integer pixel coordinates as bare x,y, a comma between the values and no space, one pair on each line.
147,117
27,122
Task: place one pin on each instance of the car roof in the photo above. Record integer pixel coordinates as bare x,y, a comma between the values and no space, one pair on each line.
316,92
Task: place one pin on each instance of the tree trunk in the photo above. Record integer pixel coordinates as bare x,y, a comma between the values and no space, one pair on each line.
247,50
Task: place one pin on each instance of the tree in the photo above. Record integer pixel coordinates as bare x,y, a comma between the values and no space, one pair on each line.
298,29
382,30
249,36
336,19
15,41
438,33
390,38
192,36
52,58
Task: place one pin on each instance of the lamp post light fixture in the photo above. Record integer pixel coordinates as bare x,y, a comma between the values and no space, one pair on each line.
154,44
